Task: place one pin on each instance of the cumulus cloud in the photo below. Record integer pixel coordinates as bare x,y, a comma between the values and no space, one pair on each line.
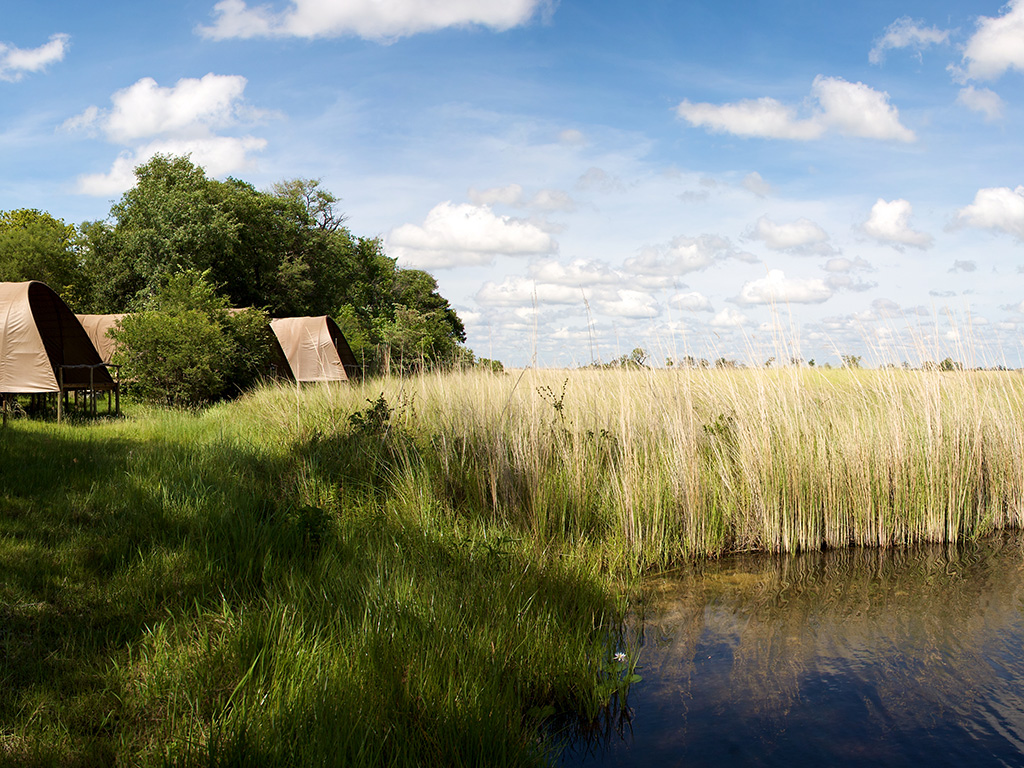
462,235
842,265
369,19
997,45
753,182
219,155
996,208
850,109
691,301
684,254
775,288
889,223
982,100
191,107
514,196
515,291
16,62
629,303
906,33
729,318
184,119
579,272
800,236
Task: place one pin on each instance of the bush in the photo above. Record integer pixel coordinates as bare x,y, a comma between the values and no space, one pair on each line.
185,347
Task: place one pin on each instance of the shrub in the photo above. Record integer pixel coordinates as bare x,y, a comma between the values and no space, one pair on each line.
185,348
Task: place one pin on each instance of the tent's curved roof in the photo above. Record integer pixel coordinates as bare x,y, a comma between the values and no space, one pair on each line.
315,348
97,326
39,334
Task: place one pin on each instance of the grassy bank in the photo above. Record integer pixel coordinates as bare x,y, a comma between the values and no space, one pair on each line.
422,571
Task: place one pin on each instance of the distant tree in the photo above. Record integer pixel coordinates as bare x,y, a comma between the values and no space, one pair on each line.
950,365
851,361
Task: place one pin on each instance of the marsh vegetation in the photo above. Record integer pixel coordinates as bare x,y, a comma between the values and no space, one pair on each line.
436,569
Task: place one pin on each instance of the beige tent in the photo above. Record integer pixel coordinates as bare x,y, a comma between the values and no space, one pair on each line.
43,347
97,326
315,349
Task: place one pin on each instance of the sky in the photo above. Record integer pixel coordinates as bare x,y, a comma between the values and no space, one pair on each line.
749,180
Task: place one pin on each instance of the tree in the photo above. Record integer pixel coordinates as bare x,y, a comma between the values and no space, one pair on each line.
36,246
851,361
285,250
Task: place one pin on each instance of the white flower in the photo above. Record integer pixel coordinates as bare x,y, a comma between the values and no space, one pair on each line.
620,656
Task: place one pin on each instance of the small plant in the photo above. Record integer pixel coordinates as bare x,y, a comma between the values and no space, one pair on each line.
375,420
557,402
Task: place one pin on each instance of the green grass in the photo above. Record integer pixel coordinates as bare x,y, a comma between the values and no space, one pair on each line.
432,570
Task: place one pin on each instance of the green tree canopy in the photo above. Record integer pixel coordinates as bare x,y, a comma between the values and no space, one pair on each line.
286,250
36,246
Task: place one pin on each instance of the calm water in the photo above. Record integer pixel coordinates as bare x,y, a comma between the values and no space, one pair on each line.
853,657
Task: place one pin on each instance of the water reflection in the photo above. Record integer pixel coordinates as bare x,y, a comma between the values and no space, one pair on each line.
846,657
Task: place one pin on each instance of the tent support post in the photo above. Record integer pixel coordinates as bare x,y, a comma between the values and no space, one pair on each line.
60,396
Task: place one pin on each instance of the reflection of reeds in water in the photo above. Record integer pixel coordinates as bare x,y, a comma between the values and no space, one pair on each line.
930,634
655,467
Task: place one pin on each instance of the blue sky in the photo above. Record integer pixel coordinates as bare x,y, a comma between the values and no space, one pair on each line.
738,179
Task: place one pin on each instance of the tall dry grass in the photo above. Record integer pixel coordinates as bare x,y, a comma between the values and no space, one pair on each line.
658,465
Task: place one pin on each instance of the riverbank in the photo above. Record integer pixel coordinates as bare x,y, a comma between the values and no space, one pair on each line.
423,570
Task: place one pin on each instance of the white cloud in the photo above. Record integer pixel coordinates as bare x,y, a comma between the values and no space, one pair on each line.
889,223
753,182
629,303
514,196
684,254
729,318
191,107
802,235
15,62
997,45
178,120
579,272
764,117
461,235
218,155
517,291
691,301
996,208
906,33
572,137
776,288
851,109
841,264
369,19
511,195
981,100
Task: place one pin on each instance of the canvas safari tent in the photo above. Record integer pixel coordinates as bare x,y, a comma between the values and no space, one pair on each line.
43,346
314,349
97,326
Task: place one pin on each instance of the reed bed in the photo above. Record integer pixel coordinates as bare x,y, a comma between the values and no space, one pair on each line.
658,466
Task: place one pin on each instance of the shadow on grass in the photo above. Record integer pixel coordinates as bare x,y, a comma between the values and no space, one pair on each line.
423,639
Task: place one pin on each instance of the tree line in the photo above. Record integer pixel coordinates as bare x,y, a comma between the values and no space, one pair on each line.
285,251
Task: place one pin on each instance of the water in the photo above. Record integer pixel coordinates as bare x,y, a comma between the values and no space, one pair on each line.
856,657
